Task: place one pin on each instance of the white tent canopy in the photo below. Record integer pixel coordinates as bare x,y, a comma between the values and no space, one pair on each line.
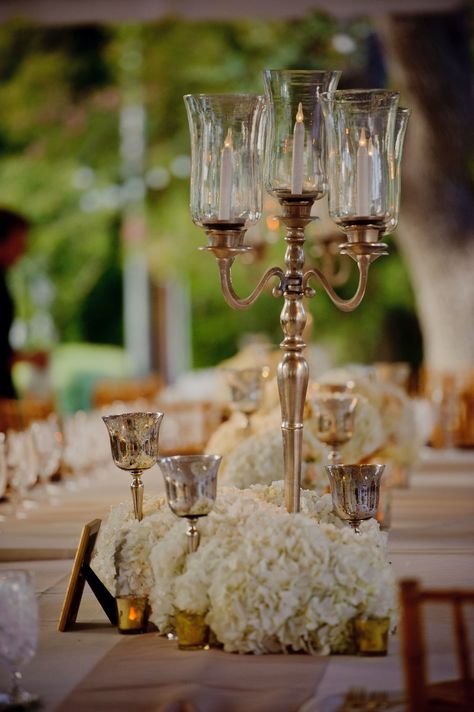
85,11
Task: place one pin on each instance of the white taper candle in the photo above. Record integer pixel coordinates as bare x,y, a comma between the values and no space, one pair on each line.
297,168
363,176
226,178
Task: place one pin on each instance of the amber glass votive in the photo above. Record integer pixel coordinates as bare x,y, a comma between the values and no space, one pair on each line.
132,614
371,635
192,631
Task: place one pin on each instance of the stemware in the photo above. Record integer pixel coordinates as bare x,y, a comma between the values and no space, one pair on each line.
246,386
335,415
47,445
18,633
22,468
134,444
355,491
191,488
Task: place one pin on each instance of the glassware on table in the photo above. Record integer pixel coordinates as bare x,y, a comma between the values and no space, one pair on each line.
296,162
191,488
18,633
132,613
335,415
47,443
355,491
134,443
22,468
227,142
246,386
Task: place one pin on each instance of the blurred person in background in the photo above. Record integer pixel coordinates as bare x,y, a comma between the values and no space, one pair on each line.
13,233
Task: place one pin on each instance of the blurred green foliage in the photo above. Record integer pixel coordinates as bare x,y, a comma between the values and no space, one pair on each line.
61,91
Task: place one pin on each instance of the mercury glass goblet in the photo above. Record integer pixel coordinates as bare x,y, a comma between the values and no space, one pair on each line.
355,491
134,443
191,488
246,389
18,633
334,413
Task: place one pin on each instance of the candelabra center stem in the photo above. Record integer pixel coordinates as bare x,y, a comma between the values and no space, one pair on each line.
293,373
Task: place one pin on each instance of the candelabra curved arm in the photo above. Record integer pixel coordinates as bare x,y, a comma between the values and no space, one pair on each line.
339,275
232,298
346,305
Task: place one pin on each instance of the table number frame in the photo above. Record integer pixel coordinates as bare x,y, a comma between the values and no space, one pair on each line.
82,572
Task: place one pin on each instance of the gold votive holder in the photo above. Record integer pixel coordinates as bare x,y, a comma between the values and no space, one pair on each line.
371,635
192,631
132,614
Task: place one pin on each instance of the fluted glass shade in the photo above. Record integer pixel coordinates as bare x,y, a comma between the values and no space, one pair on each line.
227,144
360,129
296,147
401,123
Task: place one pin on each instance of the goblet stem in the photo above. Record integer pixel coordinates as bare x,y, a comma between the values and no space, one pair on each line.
193,535
334,456
355,524
18,697
137,494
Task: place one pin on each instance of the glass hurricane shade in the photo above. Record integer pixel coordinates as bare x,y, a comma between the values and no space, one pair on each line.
365,142
295,160
227,145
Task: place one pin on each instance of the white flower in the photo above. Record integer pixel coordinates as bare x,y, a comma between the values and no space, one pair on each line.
267,580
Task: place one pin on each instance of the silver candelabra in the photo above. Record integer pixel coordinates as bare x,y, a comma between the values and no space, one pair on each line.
364,136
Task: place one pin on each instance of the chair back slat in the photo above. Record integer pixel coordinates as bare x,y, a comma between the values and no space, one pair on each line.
414,653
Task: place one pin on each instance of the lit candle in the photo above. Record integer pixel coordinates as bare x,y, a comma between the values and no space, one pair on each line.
375,174
363,176
298,153
225,189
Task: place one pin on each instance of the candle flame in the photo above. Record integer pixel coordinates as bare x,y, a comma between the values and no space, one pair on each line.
363,138
228,139
370,148
299,113
132,614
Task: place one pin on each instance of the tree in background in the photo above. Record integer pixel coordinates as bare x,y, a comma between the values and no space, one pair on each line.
429,59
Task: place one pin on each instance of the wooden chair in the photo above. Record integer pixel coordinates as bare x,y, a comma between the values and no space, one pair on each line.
108,391
18,414
444,696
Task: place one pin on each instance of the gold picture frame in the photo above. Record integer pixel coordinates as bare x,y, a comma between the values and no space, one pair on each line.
82,572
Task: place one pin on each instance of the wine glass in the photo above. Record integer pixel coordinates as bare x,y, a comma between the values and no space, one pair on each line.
191,487
134,443
246,389
18,633
355,491
334,413
22,468
47,444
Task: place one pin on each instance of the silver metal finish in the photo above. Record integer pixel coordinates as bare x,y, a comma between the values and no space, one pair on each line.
355,491
292,375
134,443
246,387
191,488
334,414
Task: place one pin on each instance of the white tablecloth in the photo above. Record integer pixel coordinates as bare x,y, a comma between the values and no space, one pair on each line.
432,538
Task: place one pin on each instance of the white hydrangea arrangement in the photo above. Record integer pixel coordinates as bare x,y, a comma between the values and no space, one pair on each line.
266,580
